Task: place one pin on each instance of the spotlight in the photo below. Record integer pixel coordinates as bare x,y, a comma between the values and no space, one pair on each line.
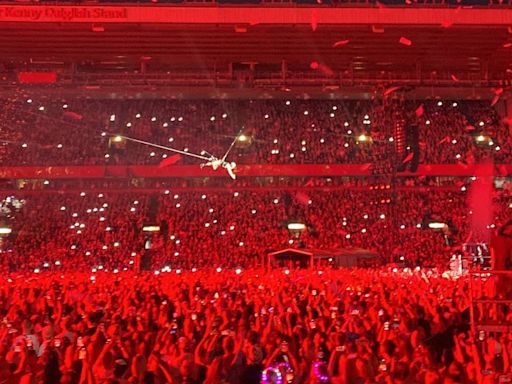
118,142
364,138
243,140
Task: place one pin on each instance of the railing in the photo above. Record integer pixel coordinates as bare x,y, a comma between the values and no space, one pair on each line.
486,291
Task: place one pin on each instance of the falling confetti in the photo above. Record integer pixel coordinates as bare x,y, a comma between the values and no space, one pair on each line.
405,41
169,161
454,78
408,158
420,111
390,90
73,115
340,43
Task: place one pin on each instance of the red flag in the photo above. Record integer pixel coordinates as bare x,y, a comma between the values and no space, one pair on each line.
169,161
408,158
405,41
420,111
390,90
340,43
73,115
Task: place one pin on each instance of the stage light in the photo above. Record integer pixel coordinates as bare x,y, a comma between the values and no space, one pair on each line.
238,271
112,117
364,138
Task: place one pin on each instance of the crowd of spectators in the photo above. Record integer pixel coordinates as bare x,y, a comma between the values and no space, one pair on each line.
76,309
230,227
246,326
294,131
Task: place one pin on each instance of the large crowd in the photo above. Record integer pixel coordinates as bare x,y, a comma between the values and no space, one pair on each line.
246,326
238,227
78,132
166,281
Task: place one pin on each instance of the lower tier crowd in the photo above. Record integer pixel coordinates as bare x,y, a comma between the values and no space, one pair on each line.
247,326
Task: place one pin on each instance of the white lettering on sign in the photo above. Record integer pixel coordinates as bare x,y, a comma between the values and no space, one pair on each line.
51,13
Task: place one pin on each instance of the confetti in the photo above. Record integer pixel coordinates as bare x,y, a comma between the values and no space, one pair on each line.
314,65
405,41
408,158
454,78
73,115
420,111
495,99
507,45
445,139
390,90
169,161
340,43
